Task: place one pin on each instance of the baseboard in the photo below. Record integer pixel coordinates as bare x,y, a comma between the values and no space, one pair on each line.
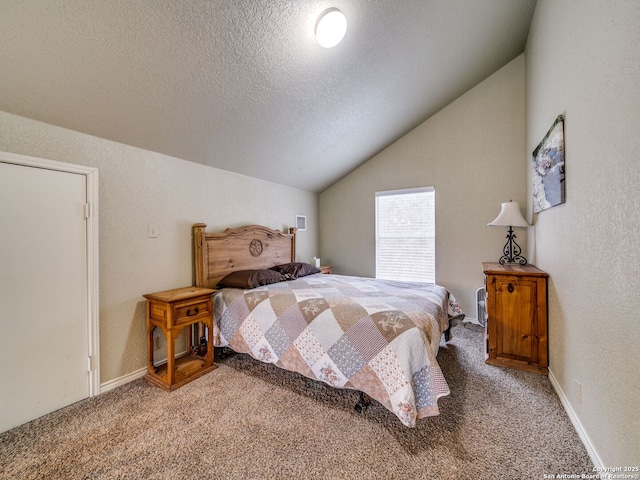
591,451
117,382
130,377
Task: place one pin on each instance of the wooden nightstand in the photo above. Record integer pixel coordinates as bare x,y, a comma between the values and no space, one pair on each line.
516,305
326,269
172,311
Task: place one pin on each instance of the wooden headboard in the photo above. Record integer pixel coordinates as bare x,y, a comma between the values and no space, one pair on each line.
250,247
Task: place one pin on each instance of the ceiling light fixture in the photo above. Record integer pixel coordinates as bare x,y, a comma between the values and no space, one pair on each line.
331,27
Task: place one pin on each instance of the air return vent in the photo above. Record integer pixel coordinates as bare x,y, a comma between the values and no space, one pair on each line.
301,222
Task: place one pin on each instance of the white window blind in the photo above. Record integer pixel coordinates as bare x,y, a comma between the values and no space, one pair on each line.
405,235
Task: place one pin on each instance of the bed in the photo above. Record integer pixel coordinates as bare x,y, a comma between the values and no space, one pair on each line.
374,336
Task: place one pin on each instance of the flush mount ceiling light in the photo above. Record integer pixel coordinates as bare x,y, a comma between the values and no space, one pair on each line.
331,27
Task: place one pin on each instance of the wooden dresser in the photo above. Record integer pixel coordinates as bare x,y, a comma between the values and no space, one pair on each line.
516,306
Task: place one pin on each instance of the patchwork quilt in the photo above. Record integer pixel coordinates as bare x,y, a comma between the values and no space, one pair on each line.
377,336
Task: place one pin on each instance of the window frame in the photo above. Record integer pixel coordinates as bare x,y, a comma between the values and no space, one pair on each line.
431,268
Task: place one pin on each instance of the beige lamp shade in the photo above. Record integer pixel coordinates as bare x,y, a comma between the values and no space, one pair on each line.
509,216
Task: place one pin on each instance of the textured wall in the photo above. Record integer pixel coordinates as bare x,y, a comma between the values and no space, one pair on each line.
583,60
137,188
472,153
243,85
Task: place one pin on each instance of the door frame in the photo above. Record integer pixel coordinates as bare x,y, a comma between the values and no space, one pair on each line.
92,274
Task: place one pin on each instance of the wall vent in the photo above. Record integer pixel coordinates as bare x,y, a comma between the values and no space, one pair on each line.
301,222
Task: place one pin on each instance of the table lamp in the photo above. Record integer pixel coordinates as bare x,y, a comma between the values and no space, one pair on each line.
510,216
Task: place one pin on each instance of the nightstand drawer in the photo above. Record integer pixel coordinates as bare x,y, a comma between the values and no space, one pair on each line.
158,311
187,312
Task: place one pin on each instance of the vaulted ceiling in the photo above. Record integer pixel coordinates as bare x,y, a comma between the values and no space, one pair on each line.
243,85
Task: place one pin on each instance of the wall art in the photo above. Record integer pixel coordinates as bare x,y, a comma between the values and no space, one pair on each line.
549,169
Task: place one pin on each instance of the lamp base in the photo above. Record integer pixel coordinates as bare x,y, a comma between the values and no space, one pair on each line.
511,251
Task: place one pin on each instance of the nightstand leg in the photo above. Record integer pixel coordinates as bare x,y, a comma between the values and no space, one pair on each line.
149,348
150,369
171,359
210,349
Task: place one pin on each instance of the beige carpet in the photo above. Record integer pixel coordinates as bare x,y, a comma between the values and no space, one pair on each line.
251,420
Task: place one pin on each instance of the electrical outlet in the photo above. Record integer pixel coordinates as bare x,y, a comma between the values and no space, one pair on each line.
579,392
153,231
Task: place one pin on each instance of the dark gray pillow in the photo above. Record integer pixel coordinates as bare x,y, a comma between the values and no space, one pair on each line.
296,269
251,278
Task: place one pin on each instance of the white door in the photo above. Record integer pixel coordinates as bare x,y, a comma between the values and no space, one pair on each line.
44,338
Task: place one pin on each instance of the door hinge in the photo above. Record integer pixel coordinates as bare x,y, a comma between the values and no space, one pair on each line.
90,364
87,210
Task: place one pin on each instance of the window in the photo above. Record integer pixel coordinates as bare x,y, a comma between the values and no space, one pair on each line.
405,235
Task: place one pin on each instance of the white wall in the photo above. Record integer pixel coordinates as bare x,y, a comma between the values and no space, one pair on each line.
583,60
138,188
472,153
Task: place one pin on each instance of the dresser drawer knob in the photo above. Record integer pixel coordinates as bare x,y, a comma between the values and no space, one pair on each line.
510,288
191,313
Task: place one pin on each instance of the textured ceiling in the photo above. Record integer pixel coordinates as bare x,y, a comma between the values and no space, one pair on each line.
242,85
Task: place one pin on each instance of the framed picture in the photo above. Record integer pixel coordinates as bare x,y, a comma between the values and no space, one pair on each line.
548,168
